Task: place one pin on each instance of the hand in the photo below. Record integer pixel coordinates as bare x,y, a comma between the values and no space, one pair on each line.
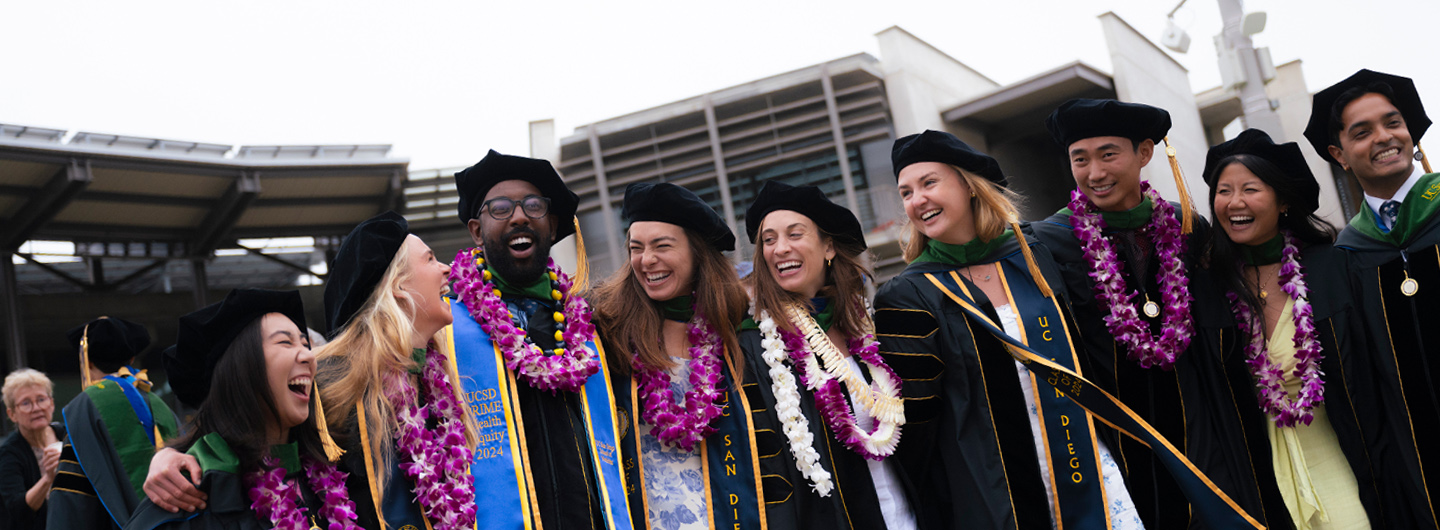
50,463
171,490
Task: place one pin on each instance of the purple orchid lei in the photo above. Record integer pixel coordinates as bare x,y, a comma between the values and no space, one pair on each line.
685,426
278,500
1268,377
831,402
438,461
1123,321
570,367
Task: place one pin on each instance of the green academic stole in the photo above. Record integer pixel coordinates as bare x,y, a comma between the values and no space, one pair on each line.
500,457
732,485
1208,502
1072,450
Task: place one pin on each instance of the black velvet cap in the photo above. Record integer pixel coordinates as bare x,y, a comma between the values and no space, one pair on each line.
359,265
943,147
111,340
1322,107
1079,119
206,334
1286,156
668,203
475,181
810,202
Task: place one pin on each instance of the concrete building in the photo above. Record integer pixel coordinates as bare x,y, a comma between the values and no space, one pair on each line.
799,126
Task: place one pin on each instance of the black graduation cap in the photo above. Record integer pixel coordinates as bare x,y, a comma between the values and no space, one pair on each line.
1322,107
475,181
110,340
943,147
1286,156
810,202
1079,119
206,334
359,265
668,203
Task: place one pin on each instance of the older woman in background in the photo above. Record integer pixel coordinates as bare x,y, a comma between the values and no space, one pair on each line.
30,455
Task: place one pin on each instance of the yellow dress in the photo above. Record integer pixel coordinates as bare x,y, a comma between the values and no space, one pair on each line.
1314,477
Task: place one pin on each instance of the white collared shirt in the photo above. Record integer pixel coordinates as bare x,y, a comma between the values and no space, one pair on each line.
1375,202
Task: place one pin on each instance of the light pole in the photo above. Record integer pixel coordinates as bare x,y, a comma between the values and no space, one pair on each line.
1240,62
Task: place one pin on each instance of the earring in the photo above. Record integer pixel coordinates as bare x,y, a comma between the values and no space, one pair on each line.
827,262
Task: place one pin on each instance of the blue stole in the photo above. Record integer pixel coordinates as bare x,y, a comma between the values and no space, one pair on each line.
1069,432
500,457
1207,501
137,402
732,484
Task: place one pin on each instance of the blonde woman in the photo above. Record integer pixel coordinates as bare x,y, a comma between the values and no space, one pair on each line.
29,456
990,444
387,384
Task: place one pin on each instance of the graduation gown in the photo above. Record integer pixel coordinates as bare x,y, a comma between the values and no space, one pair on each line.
392,500
729,458
228,507
558,458
18,473
968,447
106,456
1351,397
1405,355
1195,405
790,501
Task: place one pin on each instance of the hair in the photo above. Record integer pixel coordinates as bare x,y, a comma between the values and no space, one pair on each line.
629,319
1223,254
240,406
24,378
1337,110
993,208
844,284
364,360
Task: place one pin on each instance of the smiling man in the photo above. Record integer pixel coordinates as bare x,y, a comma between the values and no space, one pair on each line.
1370,124
1147,314
525,349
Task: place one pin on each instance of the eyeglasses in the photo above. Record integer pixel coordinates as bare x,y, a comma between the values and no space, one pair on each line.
30,405
501,208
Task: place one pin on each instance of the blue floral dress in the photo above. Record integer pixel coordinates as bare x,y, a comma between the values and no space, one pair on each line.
674,479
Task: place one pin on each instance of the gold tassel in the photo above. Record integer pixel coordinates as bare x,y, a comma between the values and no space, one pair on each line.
1030,260
1424,160
332,450
85,357
1186,223
582,265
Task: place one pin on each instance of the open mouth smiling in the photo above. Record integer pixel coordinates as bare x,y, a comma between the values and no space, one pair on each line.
300,386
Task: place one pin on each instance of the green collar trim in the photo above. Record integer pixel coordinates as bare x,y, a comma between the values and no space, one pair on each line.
1130,219
417,355
1264,253
679,309
975,250
539,290
825,316
1417,208
214,454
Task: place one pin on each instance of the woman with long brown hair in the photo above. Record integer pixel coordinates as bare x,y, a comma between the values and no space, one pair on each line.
685,433
992,444
825,426
388,381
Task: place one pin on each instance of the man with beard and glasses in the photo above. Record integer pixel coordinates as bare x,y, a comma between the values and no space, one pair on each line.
1371,124
526,352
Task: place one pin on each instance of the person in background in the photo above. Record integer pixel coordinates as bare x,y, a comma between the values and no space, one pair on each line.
30,456
114,426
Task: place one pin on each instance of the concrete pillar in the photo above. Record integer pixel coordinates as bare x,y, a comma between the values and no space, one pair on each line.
838,136
603,185
10,307
721,174
202,283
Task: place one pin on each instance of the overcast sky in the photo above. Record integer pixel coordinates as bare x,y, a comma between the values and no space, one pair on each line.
445,81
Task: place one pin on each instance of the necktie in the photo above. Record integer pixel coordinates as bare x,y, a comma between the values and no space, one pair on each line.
1390,212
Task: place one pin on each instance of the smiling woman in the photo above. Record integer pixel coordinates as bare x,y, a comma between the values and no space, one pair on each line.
28,462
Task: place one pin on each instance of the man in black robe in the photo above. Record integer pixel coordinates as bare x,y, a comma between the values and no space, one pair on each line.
515,208
114,426
1371,124
1192,404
